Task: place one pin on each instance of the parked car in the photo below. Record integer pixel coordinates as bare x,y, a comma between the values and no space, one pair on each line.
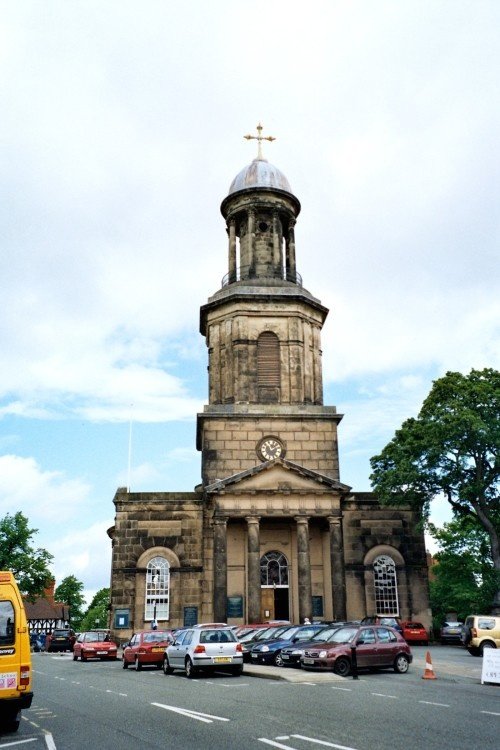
291,654
414,632
269,652
61,639
480,632
207,649
248,640
95,644
377,647
392,622
145,648
451,632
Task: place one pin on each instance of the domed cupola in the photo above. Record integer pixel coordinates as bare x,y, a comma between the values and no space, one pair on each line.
260,212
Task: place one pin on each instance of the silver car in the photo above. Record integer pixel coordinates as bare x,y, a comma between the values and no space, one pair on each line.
206,649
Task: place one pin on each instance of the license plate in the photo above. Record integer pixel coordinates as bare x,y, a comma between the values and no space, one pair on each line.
254,656
156,650
102,653
222,659
453,630
285,656
306,660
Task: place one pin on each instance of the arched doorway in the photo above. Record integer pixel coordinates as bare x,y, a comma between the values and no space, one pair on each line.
274,586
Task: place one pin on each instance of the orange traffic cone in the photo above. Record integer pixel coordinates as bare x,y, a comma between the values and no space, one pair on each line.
429,672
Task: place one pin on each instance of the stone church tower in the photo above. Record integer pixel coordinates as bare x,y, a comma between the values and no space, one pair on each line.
271,533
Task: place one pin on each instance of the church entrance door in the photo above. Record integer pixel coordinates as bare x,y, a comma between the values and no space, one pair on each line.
274,604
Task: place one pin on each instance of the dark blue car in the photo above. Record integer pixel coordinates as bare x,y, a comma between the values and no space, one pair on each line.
269,652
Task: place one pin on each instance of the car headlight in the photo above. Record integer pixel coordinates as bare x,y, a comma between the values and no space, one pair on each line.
322,654
265,648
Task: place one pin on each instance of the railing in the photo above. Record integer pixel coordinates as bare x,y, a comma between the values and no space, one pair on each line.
250,272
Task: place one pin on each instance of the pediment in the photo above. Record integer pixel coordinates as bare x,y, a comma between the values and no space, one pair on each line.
279,475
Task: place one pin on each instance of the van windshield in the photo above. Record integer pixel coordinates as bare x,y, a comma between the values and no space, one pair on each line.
7,628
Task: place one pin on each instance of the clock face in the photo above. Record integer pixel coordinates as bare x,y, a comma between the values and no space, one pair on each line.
270,448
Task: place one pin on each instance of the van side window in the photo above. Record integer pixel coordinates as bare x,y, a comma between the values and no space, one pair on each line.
7,629
486,624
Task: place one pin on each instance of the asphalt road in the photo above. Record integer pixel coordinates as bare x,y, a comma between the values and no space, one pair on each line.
100,706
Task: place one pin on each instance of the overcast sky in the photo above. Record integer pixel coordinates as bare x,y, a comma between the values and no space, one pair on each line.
122,128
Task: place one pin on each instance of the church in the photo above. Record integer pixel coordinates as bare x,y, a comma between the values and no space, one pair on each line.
271,532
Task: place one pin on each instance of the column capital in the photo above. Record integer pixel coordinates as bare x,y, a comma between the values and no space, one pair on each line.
253,519
335,520
301,519
220,520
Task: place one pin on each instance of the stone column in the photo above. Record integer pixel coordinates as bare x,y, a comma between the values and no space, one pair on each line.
277,245
220,569
304,568
232,251
338,568
253,548
251,242
292,267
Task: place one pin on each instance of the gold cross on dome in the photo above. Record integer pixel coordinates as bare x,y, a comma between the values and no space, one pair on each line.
259,138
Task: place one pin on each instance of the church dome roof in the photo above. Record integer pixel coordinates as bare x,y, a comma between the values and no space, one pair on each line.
259,174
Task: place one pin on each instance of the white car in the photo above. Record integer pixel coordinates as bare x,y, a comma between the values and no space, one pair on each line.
206,648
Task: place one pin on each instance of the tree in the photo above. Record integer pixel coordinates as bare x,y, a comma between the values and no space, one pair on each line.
464,577
69,592
29,565
97,613
451,451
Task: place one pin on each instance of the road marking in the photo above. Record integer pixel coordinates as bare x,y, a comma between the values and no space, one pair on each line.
347,690
275,744
322,742
206,718
49,741
19,742
431,703
383,695
491,713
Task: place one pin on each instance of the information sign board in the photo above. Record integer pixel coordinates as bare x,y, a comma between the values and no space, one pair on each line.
491,665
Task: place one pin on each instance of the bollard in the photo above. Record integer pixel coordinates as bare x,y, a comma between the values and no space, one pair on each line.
354,663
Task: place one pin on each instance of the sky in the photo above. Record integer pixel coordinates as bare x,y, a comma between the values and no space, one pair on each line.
121,130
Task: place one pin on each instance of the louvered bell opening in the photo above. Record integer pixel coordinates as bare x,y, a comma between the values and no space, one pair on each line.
268,367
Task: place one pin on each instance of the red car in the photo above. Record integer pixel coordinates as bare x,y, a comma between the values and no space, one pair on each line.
94,644
377,647
146,647
414,632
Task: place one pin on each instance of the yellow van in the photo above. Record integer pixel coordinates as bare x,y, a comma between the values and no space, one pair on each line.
15,655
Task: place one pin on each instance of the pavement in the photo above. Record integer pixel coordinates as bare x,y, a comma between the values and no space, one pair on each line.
290,674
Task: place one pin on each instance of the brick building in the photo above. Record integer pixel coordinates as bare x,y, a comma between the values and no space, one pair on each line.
271,532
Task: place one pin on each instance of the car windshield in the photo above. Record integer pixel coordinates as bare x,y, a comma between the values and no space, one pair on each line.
269,632
452,624
324,635
288,633
97,637
343,635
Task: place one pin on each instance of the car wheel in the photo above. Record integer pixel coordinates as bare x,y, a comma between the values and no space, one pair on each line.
401,664
486,644
82,657
473,651
278,659
190,670
237,671
12,721
167,669
124,663
342,667
138,665
75,657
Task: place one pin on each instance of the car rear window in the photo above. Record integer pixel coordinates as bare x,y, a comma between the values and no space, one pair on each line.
7,629
217,636
156,636
414,625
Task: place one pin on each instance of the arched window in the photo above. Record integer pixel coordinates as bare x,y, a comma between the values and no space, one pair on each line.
157,589
268,367
273,569
386,586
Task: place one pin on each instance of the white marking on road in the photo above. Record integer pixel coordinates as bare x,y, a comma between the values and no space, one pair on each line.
347,690
275,744
431,703
49,741
19,742
491,713
123,695
206,718
383,695
322,742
